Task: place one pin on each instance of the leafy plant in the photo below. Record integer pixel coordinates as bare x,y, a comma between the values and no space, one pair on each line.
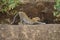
57,8
6,5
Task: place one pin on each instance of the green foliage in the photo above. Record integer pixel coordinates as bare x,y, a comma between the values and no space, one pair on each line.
57,8
6,5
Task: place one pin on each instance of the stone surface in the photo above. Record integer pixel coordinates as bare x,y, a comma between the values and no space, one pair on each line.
30,32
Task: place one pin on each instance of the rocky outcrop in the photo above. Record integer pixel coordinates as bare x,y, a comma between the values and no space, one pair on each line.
30,32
